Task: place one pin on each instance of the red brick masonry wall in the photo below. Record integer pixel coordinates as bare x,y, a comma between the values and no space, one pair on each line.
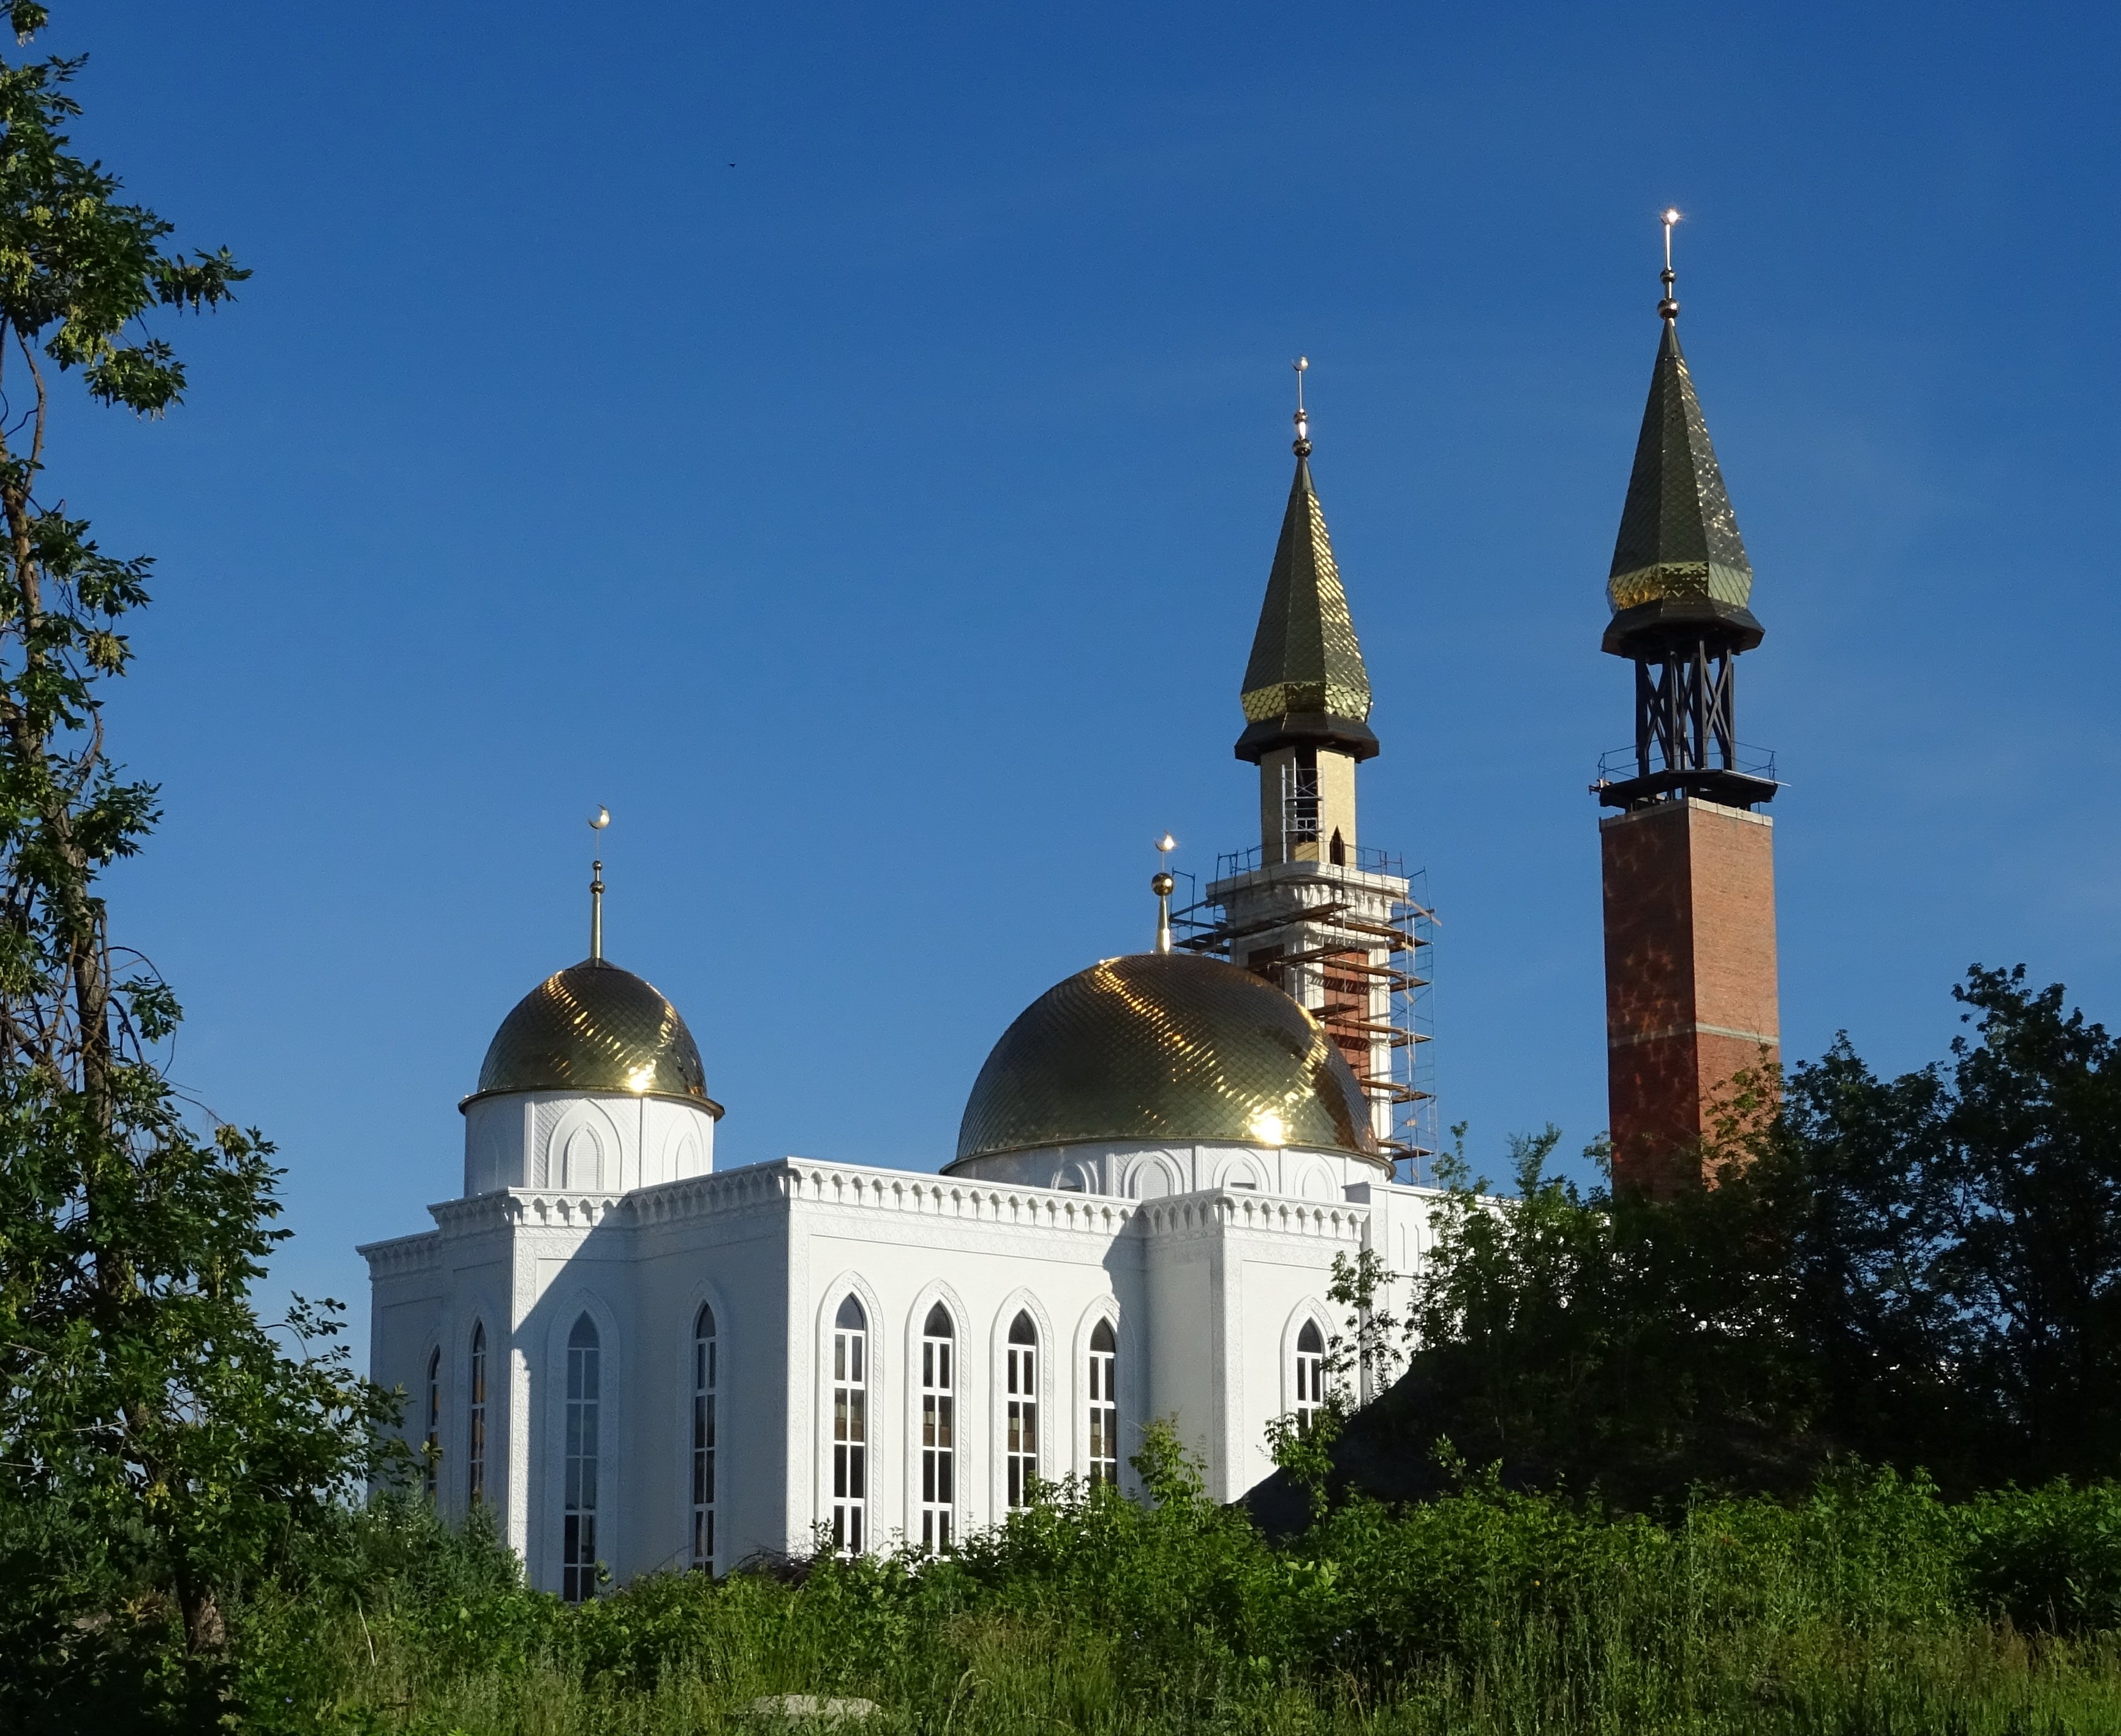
1689,975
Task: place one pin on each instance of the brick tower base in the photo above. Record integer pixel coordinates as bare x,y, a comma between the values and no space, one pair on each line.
1690,995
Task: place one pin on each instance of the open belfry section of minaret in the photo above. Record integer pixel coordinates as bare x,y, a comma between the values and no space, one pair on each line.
1692,1025
1332,920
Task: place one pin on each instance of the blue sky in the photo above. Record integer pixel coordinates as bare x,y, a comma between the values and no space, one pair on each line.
849,441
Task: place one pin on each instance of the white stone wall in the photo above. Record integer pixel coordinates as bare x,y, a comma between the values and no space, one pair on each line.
583,1142
1207,1286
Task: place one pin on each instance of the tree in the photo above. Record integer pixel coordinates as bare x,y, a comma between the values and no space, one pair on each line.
1958,1232
1924,1272
156,1437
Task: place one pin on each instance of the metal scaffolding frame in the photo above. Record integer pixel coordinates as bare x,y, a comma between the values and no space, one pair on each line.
1406,1079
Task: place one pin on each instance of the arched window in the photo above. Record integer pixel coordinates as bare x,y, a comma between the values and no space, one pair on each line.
432,1458
1022,1443
578,1553
475,1441
1104,1404
706,1377
938,1428
1310,1374
849,1427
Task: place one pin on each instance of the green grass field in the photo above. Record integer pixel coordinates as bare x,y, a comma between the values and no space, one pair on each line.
1873,1607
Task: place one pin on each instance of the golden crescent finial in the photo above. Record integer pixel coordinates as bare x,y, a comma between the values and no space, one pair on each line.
597,821
1668,308
1163,885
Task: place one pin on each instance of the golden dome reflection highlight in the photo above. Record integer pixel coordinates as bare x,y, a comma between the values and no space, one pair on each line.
1159,1046
595,1027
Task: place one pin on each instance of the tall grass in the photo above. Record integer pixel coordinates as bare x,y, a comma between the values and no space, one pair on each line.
1872,1609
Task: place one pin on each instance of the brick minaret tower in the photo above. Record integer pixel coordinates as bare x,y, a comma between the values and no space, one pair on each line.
1688,866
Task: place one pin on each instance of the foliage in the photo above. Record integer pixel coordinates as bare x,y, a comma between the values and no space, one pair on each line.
2049,1558
1924,1272
158,1446
1871,1604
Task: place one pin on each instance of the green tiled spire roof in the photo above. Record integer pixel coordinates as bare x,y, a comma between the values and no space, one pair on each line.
1679,541
1306,679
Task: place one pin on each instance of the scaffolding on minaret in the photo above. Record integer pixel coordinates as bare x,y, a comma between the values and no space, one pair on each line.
1356,946
1341,929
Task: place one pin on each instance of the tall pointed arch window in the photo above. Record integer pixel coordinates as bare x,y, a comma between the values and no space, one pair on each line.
432,1455
1022,1444
1104,1404
475,1420
850,1428
1310,1374
578,1522
938,1428
706,1379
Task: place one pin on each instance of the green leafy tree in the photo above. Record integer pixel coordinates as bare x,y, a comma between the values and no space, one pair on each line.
157,1441
1924,1272
1956,1237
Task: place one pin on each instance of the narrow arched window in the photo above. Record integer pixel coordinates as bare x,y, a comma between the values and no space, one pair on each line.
578,1539
850,1428
1023,1439
432,1457
938,1428
706,1378
1310,1374
475,1434
1104,1404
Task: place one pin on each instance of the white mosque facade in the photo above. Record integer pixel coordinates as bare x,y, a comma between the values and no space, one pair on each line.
640,1362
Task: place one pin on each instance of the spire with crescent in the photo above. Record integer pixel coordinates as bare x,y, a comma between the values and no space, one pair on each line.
1305,685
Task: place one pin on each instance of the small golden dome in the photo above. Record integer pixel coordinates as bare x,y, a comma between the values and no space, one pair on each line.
1165,1046
595,1027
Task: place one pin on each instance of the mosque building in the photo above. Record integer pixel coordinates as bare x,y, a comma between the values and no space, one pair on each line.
640,1362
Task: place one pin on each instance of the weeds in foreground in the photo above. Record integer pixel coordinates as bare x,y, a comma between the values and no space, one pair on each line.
1874,1608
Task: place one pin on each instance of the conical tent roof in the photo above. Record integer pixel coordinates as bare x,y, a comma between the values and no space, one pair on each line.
1306,662
1679,541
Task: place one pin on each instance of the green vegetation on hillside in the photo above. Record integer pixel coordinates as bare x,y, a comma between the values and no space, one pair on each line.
1870,1606
1923,1273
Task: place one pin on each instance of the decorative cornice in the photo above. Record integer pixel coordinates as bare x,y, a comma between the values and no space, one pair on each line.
1219,1211
798,1181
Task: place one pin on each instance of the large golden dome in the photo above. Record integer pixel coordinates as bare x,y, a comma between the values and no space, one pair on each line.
595,1027
1165,1046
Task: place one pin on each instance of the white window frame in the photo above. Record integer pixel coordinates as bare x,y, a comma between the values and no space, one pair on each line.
430,1457
475,1418
1308,1374
1102,1368
851,1383
1022,1365
941,1362
581,1448
704,1427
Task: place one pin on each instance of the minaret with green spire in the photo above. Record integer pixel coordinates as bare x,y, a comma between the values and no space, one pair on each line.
1306,696
1332,923
1680,588
1692,1024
